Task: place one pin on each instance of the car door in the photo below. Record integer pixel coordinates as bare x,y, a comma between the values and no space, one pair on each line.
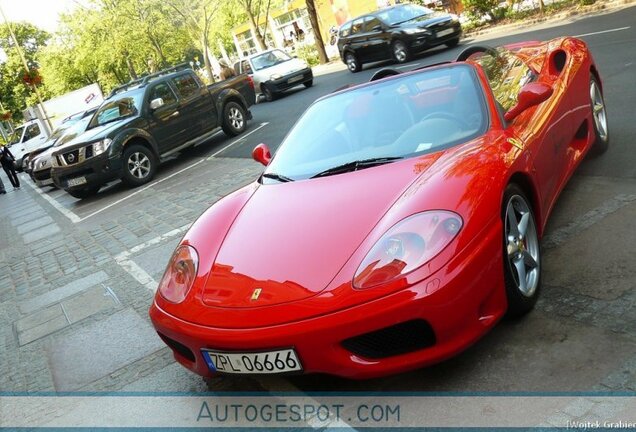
168,126
194,105
377,39
357,38
34,137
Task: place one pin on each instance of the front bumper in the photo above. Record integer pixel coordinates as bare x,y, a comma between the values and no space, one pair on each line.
291,80
96,171
460,302
42,177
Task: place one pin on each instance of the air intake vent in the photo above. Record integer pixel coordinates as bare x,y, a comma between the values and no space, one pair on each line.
390,341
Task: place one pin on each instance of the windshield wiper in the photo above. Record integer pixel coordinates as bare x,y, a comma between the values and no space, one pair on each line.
279,177
356,165
411,19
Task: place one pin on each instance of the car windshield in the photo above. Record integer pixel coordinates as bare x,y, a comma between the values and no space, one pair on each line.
61,129
17,134
398,14
116,109
269,59
76,129
398,117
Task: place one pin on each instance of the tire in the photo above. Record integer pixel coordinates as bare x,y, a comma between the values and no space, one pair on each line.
521,253
352,62
234,119
400,51
309,83
84,193
140,165
452,43
599,118
268,92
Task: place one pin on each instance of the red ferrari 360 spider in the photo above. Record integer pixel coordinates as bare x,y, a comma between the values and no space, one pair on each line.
396,224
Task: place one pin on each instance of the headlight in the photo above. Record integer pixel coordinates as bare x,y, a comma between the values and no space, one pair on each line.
454,17
407,246
101,146
415,30
180,274
275,76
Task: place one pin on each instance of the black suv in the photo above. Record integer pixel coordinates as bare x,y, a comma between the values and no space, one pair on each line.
395,33
145,120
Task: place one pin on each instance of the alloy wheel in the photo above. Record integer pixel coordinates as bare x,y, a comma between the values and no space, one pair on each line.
399,51
598,110
139,165
236,118
522,246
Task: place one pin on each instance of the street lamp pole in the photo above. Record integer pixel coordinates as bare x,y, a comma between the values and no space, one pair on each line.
26,68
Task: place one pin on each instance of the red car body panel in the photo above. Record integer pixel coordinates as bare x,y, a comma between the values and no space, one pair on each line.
302,242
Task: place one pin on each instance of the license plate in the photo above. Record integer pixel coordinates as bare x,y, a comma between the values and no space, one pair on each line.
444,32
268,362
76,181
44,182
294,79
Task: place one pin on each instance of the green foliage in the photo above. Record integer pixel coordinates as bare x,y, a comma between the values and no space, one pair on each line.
309,53
14,94
479,8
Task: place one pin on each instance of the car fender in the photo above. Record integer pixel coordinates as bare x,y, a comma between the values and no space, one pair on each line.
224,97
122,139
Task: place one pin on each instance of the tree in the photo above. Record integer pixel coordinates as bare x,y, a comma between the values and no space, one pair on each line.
198,16
313,17
14,94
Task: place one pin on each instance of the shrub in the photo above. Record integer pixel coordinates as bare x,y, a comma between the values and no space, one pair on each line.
309,53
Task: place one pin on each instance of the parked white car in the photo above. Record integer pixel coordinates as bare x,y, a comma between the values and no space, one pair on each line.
274,71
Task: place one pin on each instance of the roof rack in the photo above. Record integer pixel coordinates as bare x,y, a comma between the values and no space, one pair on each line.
140,82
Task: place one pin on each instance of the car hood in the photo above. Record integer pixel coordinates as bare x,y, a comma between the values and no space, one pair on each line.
291,239
97,133
284,68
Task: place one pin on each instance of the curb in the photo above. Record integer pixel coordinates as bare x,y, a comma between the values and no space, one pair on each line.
580,11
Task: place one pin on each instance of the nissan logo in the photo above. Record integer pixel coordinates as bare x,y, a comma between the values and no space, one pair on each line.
71,158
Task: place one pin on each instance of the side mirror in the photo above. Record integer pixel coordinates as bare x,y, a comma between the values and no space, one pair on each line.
530,95
156,103
262,154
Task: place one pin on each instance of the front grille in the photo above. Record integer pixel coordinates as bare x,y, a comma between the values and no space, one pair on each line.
390,341
178,347
71,157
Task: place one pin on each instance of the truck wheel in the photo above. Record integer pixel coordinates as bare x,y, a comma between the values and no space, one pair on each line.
84,193
140,165
233,119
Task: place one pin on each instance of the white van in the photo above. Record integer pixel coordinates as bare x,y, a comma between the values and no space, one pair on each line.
27,137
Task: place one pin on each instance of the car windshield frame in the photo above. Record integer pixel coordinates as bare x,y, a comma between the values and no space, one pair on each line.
390,16
329,124
259,62
133,105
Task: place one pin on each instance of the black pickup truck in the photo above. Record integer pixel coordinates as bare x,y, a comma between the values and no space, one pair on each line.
146,120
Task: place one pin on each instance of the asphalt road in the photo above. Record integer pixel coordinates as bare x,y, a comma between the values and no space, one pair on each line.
584,328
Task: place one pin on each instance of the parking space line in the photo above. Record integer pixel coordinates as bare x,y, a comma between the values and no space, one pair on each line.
66,212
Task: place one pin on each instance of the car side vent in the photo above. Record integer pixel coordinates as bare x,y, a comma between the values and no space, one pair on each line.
557,62
398,339
178,347
383,73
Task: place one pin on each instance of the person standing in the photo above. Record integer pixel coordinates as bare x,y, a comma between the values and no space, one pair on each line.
7,160
2,191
